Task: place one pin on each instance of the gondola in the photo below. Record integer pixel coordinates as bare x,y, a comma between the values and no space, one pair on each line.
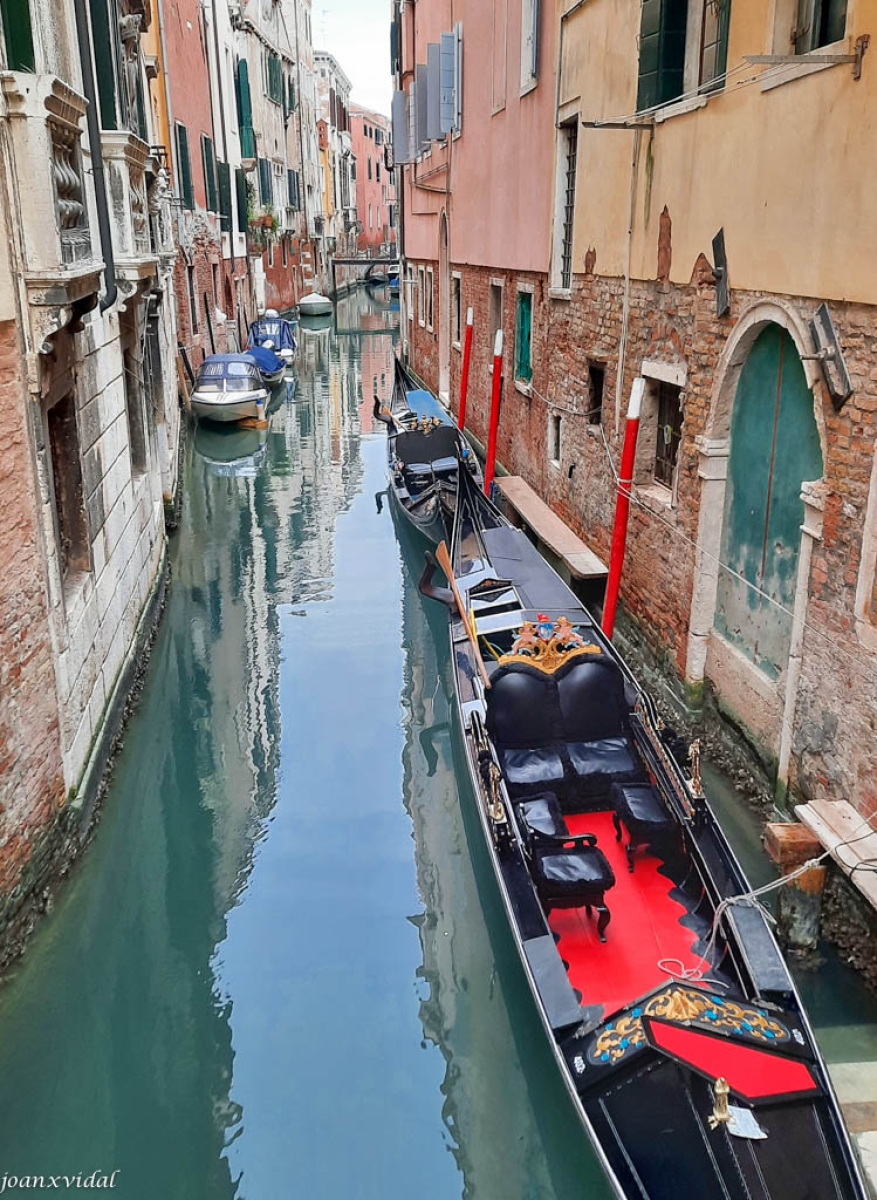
275,333
666,1002
424,452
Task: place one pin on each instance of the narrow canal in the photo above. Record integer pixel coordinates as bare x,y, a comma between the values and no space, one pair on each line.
278,971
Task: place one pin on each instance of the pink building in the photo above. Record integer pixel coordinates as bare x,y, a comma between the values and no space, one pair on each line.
375,186
474,124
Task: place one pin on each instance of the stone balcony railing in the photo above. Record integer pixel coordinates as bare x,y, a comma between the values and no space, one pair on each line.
126,158
61,260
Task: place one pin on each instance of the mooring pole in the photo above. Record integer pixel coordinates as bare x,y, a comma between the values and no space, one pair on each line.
622,505
494,413
464,377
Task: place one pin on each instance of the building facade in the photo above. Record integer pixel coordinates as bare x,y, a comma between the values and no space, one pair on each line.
701,224
90,417
336,155
375,185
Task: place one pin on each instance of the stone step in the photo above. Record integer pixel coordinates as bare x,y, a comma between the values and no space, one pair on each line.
856,1087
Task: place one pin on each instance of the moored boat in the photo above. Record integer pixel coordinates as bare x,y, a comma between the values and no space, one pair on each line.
669,1009
229,387
271,366
314,305
425,453
273,332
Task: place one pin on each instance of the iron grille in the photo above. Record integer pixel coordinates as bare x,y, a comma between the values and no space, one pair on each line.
572,137
669,432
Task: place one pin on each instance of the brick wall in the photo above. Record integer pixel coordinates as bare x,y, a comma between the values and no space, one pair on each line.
31,776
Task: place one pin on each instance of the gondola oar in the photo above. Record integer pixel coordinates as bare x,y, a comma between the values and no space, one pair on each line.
444,561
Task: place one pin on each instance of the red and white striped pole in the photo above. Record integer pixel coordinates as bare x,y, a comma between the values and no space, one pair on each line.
464,377
494,413
622,505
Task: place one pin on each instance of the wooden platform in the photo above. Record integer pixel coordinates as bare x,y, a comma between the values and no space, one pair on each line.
836,821
579,558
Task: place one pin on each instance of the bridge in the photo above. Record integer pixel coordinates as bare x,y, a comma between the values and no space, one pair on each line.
371,263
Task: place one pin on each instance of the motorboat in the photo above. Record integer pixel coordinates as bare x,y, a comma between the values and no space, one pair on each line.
666,1003
271,365
314,305
229,387
273,332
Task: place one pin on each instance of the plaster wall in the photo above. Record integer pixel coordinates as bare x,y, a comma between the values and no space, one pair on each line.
496,177
770,158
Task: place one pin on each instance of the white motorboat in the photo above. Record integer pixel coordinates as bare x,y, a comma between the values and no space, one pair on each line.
229,387
314,305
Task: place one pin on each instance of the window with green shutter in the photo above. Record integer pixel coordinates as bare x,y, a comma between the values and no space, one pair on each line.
661,52
524,338
264,181
184,183
245,109
18,35
293,189
208,161
223,172
240,187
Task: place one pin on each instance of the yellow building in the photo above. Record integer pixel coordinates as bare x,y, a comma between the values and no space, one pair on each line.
714,233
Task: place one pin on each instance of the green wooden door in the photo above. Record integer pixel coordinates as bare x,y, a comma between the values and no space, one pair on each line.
774,449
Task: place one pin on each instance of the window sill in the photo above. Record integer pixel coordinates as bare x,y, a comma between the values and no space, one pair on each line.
554,462
529,86
678,108
776,76
457,347
526,389
559,293
654,496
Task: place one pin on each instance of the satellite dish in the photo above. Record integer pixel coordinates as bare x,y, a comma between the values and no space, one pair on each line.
830,357
720,270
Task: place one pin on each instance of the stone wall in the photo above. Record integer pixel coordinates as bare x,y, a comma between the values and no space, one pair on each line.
31,773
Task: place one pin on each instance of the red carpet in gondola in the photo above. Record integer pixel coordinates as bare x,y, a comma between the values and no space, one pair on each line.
644,927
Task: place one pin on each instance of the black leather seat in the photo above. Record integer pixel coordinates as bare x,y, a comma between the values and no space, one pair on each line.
595,727
569,870
639,808
523,720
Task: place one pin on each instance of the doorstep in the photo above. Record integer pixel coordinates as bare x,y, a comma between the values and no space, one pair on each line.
856,1088
835,822
578,557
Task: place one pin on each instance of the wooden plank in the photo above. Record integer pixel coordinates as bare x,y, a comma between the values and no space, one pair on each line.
583,563
835,822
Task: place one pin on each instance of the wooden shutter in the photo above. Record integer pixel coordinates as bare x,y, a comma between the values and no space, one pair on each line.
208,162
240,184
293,189
433,92
223,171
523,335
184,183
400,128
18,35
662,52
245,110
264,181
421,87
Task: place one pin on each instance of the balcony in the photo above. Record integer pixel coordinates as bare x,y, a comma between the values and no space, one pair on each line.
61,266
126,158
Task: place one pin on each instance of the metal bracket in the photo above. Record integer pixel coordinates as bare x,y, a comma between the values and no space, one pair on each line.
781,60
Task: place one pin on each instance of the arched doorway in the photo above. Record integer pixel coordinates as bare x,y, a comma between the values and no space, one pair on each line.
444,326
774,449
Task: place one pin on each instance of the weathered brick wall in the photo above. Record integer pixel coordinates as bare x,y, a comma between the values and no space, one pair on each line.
834,752
202,253
31,776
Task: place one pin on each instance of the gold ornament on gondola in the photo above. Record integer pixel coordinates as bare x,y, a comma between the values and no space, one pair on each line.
721,1114
547,644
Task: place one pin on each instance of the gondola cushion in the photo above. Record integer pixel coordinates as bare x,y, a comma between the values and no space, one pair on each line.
592,701
580,874
532,768
543,815
608,758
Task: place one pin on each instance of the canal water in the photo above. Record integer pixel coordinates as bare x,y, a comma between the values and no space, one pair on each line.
279,972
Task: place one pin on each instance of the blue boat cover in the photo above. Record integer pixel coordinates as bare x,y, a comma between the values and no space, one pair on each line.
266,360
272,329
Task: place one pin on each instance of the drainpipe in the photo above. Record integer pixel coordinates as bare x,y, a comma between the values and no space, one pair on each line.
219,76
97,159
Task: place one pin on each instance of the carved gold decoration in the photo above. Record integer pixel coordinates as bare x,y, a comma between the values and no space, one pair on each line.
694,754
721,1114
548,645
686,1006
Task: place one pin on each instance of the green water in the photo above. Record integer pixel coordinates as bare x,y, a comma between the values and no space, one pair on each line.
276,973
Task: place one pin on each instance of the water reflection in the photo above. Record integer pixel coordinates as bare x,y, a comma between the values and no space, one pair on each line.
252,988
